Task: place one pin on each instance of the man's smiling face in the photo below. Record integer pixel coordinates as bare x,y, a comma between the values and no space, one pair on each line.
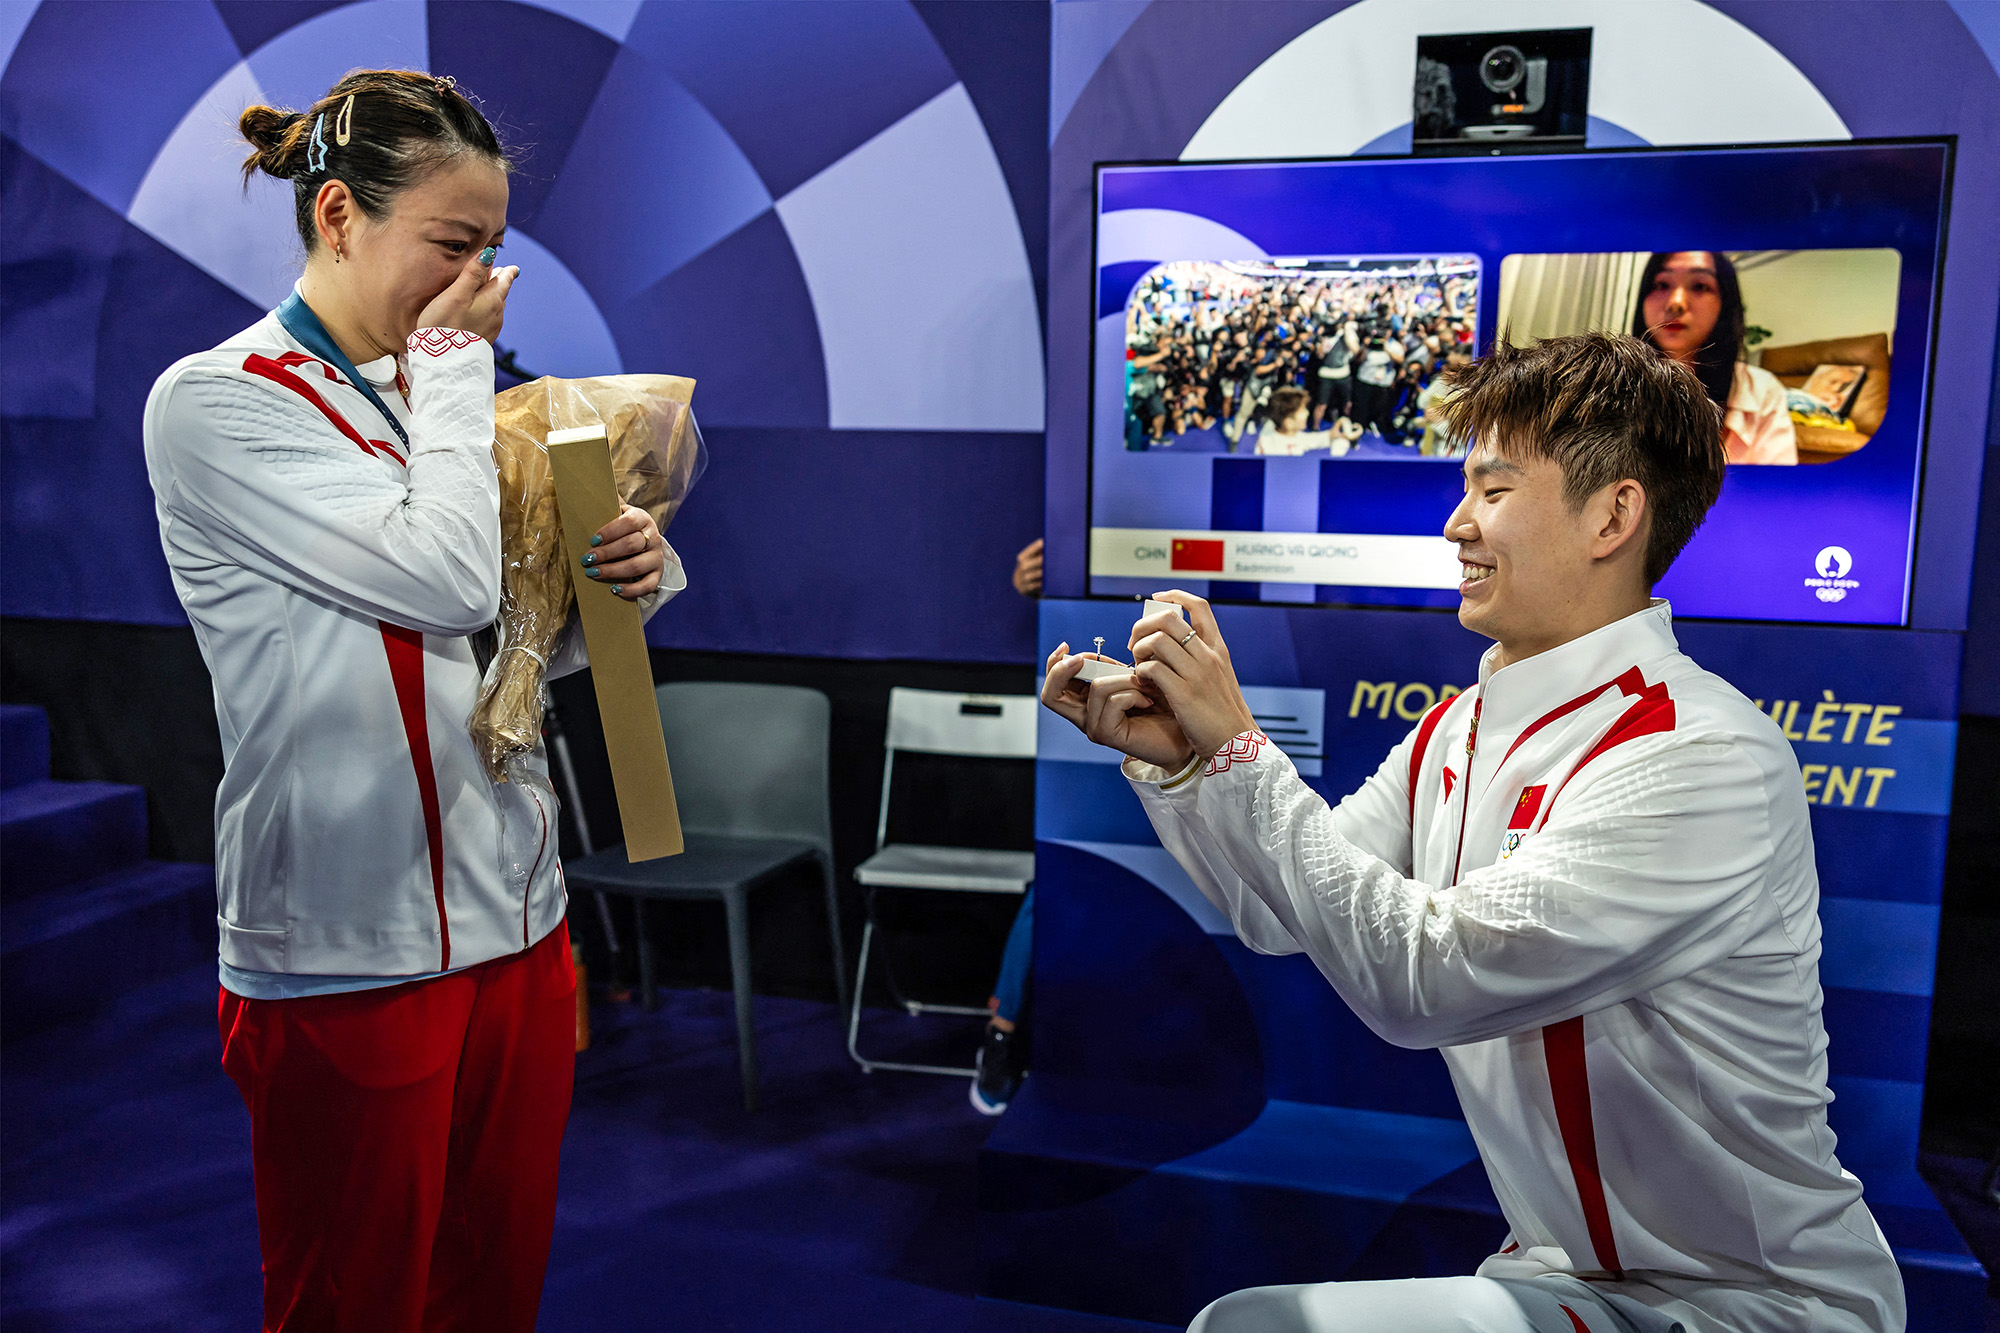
1525,554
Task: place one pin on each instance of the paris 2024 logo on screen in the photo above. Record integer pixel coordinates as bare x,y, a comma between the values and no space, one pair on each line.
1833,564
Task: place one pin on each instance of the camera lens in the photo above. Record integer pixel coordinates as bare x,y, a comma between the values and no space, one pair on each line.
1501,68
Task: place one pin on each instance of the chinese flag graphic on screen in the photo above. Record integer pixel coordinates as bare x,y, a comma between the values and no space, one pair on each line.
1201,557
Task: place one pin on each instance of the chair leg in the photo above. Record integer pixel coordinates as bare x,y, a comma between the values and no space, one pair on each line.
854,1007
736,907
604,919
854,1024
911,1007
833,925
649,989
888,966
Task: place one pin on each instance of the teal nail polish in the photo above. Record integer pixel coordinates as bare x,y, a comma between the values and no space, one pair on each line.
590,559
616,589
596,540
486,255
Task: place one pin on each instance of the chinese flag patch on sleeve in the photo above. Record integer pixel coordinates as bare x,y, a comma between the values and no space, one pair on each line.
1528,806
1203,556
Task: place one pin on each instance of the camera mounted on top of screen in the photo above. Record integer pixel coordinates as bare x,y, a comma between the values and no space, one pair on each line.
1501,92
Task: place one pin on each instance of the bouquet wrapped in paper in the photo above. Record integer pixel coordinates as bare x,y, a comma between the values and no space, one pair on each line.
656,455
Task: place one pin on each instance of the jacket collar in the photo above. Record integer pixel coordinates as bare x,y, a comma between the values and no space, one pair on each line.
1515,695
380,372
303,327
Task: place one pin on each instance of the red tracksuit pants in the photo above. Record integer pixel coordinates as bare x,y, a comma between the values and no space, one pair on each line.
405,1142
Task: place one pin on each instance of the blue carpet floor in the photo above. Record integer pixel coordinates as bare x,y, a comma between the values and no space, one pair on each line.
846,1203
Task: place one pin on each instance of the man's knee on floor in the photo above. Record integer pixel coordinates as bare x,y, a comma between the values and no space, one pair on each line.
1417,1305
1254,1310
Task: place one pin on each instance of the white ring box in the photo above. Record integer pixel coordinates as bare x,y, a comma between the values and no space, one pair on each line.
1096,670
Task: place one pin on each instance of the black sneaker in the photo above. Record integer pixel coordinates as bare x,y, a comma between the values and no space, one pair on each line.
996,1079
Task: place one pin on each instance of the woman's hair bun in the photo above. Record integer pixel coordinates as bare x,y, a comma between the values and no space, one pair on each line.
276,138
377,132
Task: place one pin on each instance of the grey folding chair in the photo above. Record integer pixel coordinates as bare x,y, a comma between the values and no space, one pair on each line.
750,775
989,726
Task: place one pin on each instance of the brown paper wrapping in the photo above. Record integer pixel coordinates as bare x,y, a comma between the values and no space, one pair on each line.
656,455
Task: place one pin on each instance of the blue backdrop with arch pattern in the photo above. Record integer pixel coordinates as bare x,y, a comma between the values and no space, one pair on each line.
833,215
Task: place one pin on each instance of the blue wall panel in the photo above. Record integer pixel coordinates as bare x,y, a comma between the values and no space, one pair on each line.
658,144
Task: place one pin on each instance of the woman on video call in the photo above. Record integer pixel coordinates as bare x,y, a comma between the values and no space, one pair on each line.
1691,308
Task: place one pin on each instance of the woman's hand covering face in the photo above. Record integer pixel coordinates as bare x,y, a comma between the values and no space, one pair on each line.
475,302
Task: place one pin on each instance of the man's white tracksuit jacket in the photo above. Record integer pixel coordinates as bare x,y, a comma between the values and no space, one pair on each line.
1590,881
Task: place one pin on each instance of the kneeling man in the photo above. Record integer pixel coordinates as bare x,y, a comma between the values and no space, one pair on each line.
1589,881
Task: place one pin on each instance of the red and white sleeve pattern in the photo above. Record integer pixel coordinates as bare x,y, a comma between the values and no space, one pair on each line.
451,393
451,434
437,342
1242,749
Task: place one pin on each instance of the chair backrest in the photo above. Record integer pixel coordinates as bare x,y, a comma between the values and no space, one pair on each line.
749,759
983,726
990,726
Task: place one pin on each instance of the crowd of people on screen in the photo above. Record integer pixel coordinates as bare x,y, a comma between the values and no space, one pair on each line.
1284,360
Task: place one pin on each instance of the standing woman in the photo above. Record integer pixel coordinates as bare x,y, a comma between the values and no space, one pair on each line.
1691,308
397,1003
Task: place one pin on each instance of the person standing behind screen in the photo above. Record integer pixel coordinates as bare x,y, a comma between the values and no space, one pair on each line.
1691,308
397,1004
998,1063
1028,569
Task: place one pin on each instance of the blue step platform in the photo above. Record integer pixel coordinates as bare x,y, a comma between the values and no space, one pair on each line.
84,916
24,745
54,834
69,952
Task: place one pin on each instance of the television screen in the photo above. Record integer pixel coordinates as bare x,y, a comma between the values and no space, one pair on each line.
1269,337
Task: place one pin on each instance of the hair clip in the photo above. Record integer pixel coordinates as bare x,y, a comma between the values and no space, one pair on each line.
445,83
343,125
317,145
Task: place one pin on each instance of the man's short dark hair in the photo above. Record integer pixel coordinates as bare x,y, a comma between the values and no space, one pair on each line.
1603,407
